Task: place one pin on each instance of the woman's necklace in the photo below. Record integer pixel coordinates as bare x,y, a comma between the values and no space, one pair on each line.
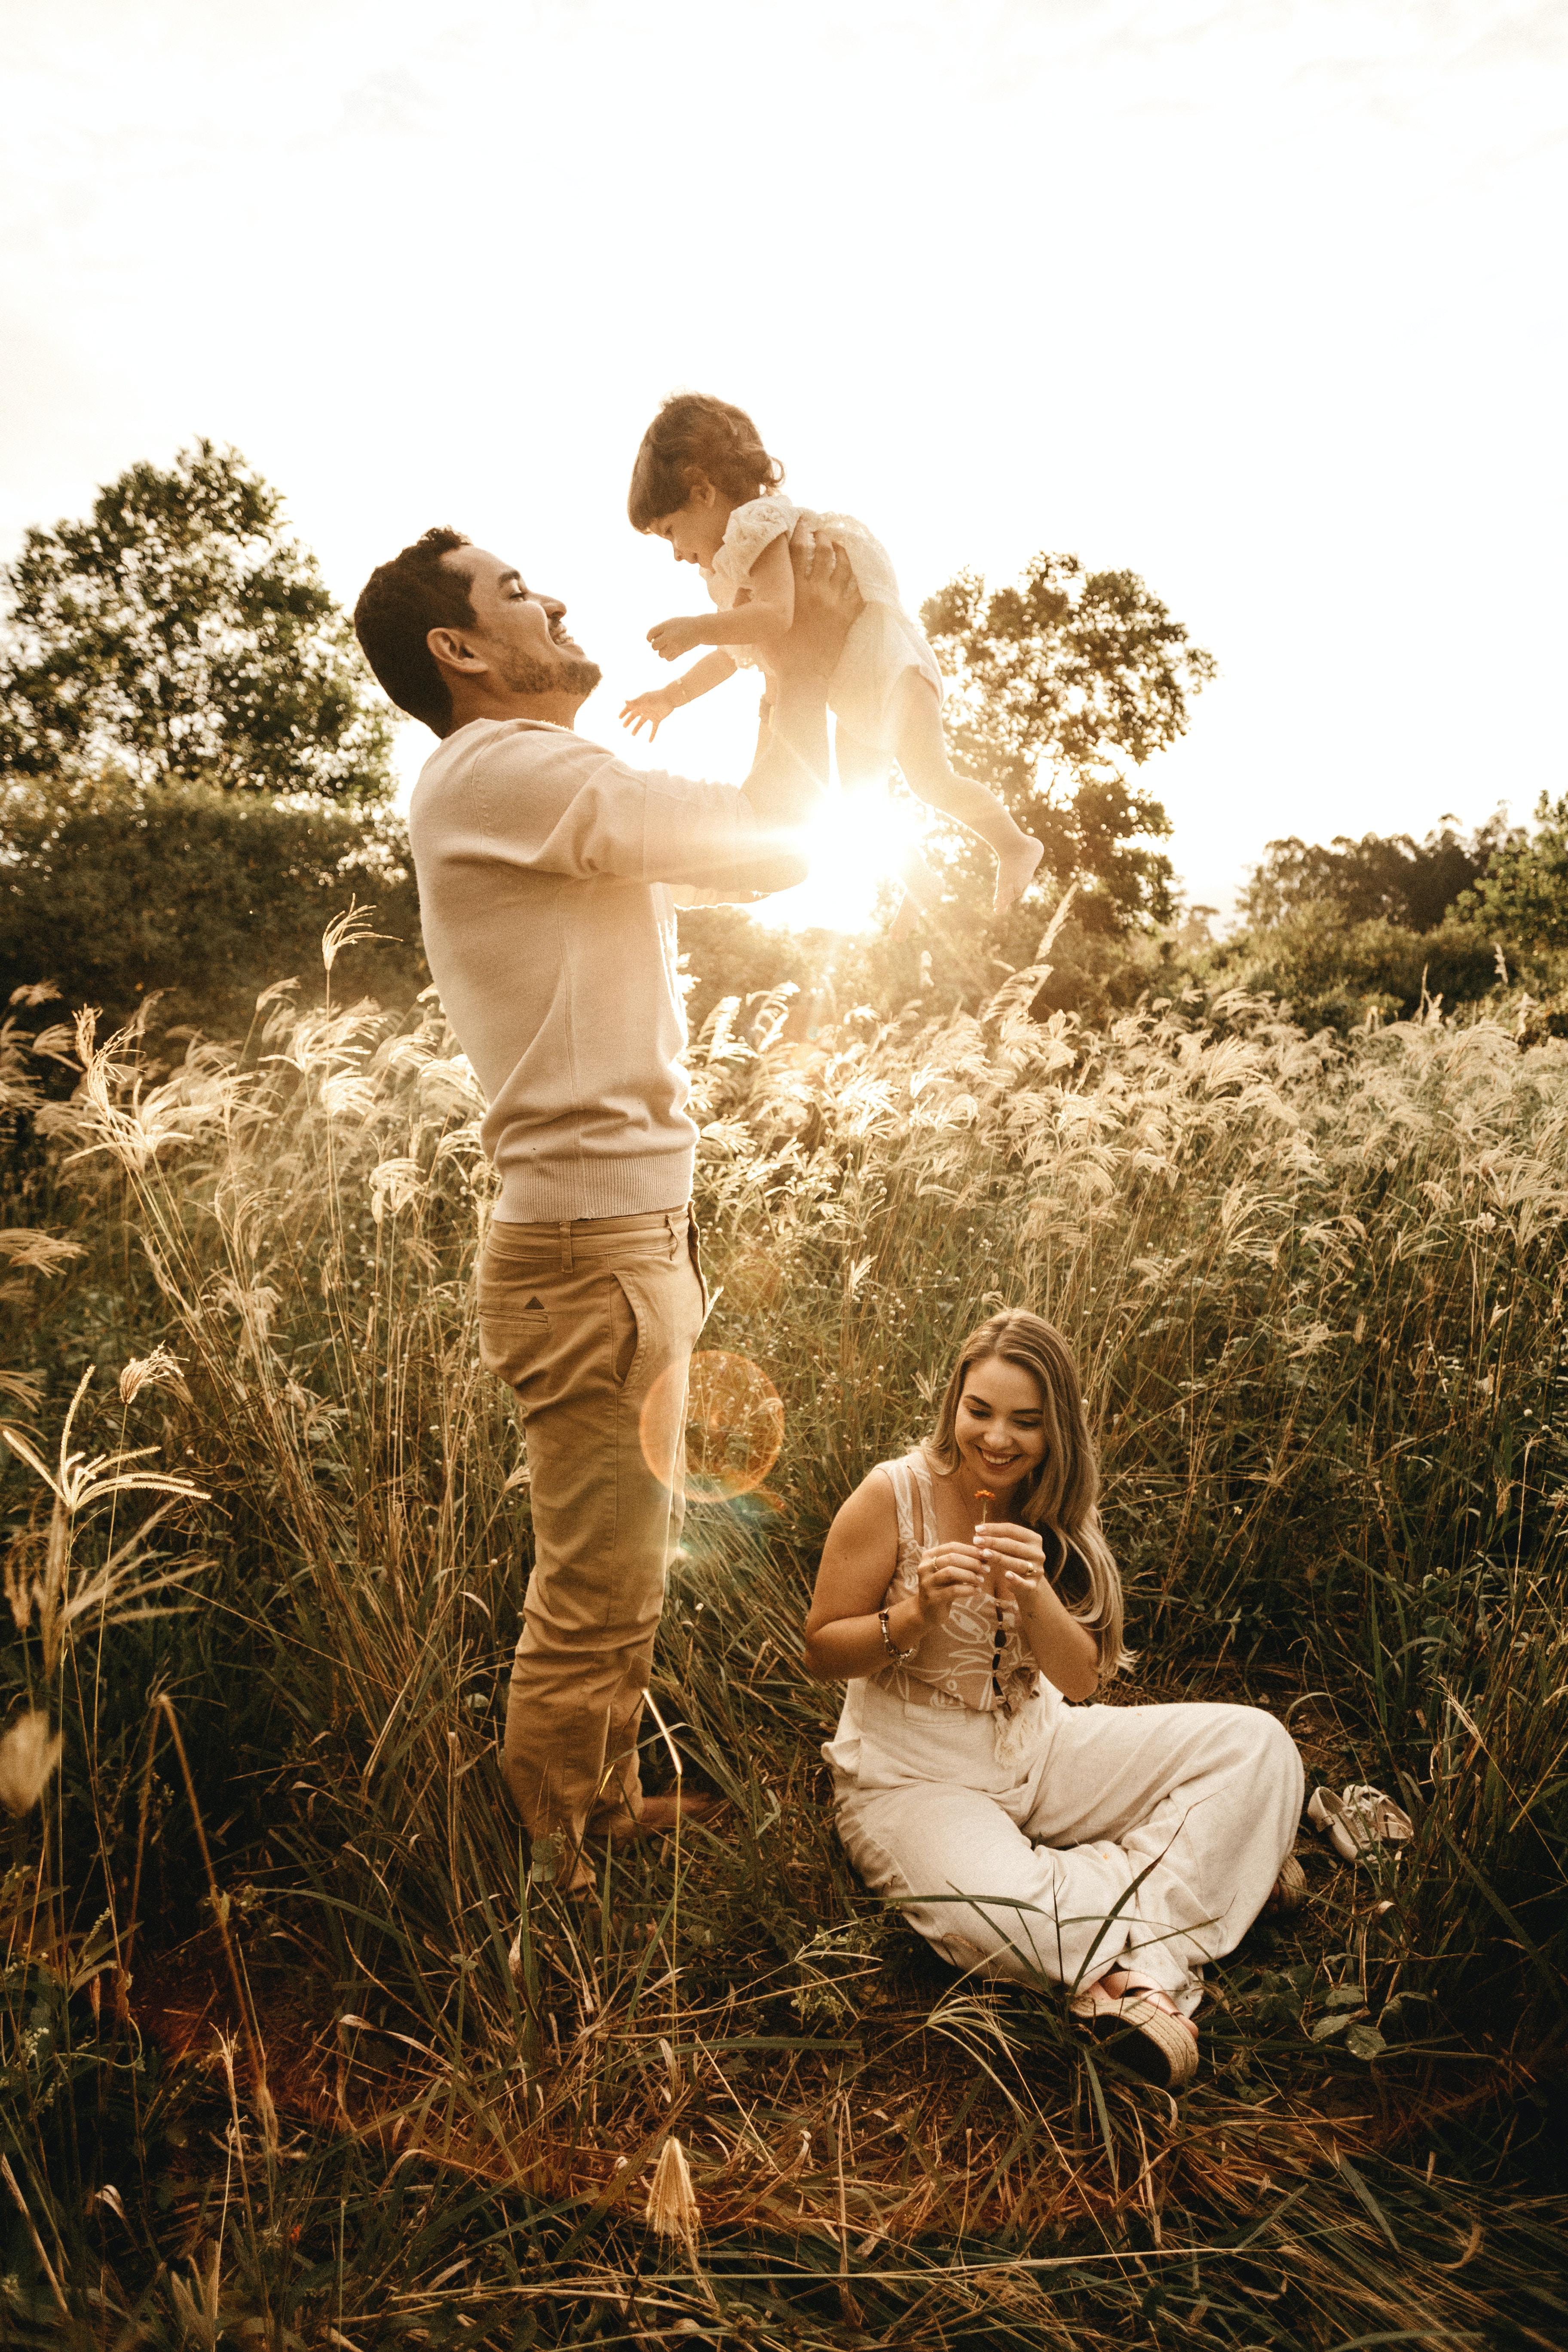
984,1497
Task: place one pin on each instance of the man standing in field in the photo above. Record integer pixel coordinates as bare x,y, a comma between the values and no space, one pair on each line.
546,868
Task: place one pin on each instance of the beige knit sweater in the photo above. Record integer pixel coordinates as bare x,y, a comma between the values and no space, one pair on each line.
544,866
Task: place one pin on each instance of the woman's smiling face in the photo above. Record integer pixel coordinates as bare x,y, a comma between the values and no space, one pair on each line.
1000,1425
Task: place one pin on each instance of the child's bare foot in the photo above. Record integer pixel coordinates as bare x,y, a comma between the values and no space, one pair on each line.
1016,871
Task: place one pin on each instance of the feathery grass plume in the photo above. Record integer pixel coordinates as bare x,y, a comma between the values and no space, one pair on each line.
350,930
672,2208
117,1590
161,1369
29,1755
196,2304
39,1252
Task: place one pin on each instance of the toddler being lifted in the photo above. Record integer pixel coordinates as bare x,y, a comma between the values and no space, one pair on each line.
704,482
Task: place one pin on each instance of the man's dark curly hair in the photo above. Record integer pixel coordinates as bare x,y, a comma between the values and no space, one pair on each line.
399,605
695,434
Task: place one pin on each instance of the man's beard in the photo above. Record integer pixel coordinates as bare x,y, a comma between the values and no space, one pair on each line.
569,675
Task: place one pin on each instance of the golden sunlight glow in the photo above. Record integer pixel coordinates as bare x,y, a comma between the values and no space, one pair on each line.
855,847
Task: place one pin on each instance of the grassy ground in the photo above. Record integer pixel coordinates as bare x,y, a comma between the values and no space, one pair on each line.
294,2056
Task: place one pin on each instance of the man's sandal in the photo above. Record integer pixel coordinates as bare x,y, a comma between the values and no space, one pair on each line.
1151,2040
1359,1820
658,1817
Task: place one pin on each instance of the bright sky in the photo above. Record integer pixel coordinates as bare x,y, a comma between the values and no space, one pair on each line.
1263,298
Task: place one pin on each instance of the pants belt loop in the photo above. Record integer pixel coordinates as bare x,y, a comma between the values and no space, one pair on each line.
565,1249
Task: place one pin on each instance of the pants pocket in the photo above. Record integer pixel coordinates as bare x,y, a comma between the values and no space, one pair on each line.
627,1341
694,1246
511,1339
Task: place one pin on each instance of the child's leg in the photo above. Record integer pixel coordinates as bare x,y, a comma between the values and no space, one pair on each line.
922,756
860,766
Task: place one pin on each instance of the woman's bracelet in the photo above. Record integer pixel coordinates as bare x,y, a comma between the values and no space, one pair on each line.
898,1656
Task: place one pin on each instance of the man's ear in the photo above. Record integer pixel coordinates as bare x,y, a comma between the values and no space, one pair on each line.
453,651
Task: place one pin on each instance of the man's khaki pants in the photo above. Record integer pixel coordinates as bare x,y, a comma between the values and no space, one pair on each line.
581,1319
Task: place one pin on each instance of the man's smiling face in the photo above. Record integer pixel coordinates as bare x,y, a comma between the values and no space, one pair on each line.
521,631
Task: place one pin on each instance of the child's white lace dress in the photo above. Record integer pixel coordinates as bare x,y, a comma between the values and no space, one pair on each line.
884,643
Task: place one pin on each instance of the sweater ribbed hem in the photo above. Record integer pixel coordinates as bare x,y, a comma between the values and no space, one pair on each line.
559,1192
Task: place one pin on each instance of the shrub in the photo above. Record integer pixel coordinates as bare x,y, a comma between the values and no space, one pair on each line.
1413,883
201,896
1334,975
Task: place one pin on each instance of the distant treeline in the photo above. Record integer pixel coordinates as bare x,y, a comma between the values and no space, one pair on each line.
195,779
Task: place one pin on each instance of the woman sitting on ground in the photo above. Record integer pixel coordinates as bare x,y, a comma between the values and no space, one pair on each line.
965,1593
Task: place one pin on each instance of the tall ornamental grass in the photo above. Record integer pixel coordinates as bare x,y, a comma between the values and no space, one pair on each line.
296,2055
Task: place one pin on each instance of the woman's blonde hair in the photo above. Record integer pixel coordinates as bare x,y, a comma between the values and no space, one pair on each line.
1063,1495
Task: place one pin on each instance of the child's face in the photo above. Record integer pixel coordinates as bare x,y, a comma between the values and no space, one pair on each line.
1000,1426
696,531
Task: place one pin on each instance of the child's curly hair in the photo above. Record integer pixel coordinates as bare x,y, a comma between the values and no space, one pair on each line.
693,434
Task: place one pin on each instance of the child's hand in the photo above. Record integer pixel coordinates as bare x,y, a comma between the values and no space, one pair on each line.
650,710
671,639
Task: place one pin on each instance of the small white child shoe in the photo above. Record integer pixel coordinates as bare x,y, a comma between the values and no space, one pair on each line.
1360,1819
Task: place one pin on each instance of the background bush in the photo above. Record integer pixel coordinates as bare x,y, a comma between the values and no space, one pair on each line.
116,893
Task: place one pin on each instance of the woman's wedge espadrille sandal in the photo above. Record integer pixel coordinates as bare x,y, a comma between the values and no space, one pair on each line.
1150,2041
1290,1890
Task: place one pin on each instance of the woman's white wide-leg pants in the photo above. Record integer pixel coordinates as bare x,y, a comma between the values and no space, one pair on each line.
1070,1838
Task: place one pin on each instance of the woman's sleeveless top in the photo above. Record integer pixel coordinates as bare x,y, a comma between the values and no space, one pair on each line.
961,1664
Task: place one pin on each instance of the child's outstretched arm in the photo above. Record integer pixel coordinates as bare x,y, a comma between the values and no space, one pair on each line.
651,711
767,614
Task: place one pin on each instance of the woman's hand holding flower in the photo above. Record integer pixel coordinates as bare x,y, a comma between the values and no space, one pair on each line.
1015,1559
946,1573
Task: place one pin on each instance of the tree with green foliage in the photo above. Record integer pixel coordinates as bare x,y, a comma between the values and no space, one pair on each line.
182,633
1382,877
1522,897
1063,686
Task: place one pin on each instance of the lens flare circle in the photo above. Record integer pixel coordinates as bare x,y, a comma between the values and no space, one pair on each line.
722,1417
